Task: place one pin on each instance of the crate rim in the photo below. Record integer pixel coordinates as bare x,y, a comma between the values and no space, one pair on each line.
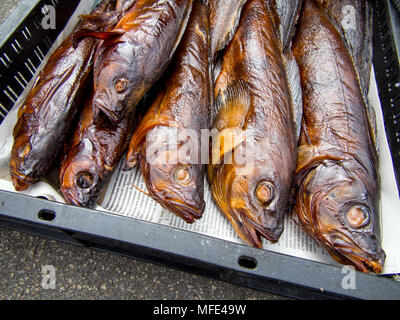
299,278
20,12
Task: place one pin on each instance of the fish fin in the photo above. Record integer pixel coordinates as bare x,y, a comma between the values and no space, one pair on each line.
288,12
296,93
183,29
232,106
100,19
81,34
225,142
217,47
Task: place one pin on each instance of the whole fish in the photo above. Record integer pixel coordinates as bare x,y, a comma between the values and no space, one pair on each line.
288,12
182,102
92,156
254,152
135,53
224,20
336,179
49,110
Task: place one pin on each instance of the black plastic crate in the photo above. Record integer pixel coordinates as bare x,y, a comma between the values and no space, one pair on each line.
23,48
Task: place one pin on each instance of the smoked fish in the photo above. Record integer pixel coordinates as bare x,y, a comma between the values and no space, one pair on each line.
133,56
182,102
336,180
254,149
50,108
92,156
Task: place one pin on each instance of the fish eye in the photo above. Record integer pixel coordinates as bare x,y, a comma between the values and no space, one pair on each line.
121,85
84,180
265,192
182,176
357,217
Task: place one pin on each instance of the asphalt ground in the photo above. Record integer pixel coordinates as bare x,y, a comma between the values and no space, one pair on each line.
82,273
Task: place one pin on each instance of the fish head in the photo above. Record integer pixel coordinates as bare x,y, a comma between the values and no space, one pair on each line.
113,82
252,196
343,215
80,183
172,179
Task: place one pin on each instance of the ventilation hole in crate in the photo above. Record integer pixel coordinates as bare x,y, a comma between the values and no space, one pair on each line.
4,62
42,197
247,262
22,78
28,32
3,109
40,51
46,215
29,69
19,82
9,96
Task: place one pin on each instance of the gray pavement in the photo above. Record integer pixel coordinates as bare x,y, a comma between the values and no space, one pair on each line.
82,273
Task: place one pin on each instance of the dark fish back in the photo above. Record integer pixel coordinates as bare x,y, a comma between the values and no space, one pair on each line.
50,108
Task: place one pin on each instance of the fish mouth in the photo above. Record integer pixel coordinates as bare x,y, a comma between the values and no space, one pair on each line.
271,234
345,252
187,212
21,183
361,262
72,199
110,114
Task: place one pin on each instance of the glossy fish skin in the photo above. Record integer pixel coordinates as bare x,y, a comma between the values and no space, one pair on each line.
253,81
182,101
136,53
94,152
354,20
224,20
50,108
288,12
337,179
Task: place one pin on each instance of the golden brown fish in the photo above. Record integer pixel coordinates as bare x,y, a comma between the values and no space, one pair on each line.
353,18
45,118
254,153
337,177
224,20
182,102
92,156
136,53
